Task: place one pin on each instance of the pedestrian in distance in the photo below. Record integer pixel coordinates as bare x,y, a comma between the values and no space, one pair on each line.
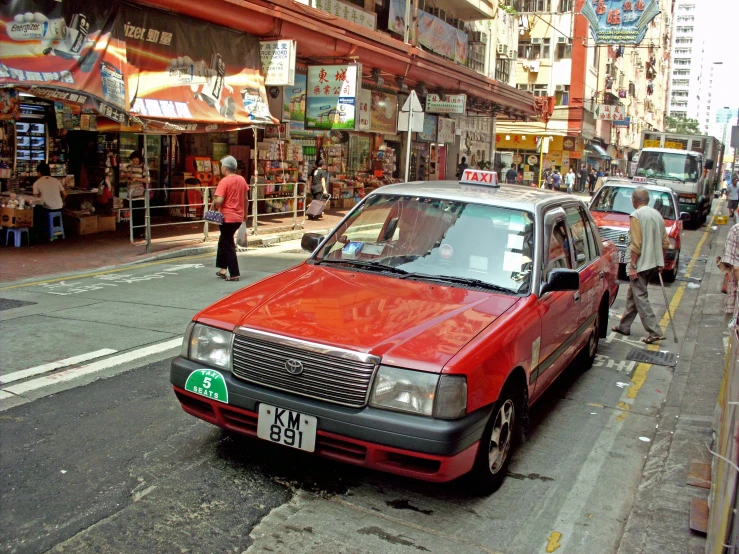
231,199
319,181
583,181
732,194
592,179
556,180
462,167
136,173
545,183
646,250
570,180
511,175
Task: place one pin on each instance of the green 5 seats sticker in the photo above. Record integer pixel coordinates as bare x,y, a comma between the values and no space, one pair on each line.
208,383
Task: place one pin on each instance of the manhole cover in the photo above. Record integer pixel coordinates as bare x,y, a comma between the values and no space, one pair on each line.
649,357
8,304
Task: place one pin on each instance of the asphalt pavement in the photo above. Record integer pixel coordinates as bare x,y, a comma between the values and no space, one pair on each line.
97,456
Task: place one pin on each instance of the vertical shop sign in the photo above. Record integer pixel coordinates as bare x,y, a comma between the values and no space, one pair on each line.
348,12
365,101
278,61
446,130
620,21
332,96
384,113
295,98
430,123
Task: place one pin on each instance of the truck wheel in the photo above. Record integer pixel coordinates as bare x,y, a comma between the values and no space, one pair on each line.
670,276
695,220
497,442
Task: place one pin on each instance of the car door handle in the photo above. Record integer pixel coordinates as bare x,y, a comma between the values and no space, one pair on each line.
577,297
602,275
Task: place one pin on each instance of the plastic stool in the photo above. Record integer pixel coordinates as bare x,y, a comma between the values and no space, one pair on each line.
18,234
56,230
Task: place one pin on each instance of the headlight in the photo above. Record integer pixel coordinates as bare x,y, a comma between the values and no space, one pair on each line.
420,393
210,346
673,244
404,390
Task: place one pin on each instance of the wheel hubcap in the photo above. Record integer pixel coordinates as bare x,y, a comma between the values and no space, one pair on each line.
500,439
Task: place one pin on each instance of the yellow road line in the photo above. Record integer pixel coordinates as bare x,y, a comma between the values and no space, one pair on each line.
106,271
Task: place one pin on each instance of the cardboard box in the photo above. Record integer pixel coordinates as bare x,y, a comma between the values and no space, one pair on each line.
86,225
13,217
348,203
106,223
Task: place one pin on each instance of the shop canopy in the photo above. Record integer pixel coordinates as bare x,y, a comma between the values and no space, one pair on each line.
135,65
598,151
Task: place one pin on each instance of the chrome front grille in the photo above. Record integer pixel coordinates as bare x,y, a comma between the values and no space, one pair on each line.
619,237
333,375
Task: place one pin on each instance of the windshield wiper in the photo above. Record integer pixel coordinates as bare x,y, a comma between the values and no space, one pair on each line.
375,266
459,281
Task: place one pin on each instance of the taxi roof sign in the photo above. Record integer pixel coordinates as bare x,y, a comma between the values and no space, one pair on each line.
479,177
639,180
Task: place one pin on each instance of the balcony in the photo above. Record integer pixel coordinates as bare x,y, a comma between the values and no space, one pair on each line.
467,10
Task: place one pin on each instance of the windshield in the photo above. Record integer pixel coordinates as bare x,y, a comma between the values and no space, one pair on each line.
668,165
427,238
618,199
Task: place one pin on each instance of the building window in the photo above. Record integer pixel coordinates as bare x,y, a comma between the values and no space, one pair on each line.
682,61
564,50
536,90
502,70
684,40
681,82
528,50
532,5
562,96
681,72
685,29
476,57
685,18
683,50
565,6
686,7
596,57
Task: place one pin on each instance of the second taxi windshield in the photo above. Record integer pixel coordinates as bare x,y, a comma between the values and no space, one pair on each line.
618,199
456,242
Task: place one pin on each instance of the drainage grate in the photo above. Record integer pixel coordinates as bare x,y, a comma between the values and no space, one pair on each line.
661,357
8,304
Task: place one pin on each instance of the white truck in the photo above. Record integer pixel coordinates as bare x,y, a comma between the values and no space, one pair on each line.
688,164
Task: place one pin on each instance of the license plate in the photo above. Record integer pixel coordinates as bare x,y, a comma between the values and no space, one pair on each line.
622,256
287,427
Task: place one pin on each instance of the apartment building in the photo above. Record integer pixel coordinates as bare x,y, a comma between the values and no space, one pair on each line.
687,63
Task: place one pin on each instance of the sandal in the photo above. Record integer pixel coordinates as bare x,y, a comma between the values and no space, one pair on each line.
652,340
232,278
221,275
617,329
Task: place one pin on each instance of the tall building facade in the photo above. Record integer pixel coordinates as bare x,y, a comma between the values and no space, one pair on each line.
687,67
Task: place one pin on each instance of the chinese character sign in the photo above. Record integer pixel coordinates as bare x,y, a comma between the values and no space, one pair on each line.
365,113
347,11
605,112
620,21
278,62
446,130
332,96
452,103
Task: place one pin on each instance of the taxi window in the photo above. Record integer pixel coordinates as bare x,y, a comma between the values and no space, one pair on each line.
575,221
558,246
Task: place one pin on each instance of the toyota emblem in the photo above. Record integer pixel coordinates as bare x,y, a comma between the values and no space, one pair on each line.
294,367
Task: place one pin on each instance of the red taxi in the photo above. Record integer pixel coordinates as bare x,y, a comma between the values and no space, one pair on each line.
416,336
611,208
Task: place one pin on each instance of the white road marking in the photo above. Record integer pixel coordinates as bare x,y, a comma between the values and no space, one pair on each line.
51,366
76,372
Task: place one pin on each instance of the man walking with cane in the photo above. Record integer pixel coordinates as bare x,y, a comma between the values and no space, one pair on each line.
648,242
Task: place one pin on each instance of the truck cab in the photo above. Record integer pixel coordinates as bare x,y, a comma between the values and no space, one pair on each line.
683,172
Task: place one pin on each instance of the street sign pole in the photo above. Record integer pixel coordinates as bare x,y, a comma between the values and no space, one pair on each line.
411,106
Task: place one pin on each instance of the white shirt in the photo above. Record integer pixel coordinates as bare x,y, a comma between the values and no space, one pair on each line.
733,192
50,190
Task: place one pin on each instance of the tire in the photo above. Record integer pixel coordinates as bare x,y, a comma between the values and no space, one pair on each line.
502,434
587,354
695,221
670,276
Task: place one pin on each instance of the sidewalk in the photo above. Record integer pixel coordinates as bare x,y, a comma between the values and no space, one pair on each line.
91,252
660,516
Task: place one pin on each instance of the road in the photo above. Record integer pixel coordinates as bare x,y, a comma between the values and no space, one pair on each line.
97,456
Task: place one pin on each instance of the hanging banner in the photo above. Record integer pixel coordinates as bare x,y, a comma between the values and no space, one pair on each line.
606,112
295,98
384,113
452,103
185,70
620,21
396,20
278,61
442,38
9,104
430,123
332,96
53,51
445,133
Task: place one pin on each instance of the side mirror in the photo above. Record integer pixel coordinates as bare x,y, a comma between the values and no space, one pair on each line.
684,216
709,165
310,241
561,280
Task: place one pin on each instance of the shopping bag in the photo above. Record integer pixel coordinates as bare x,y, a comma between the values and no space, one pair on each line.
241,235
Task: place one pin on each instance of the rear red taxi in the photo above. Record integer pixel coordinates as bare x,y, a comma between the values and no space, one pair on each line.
416,336
611,208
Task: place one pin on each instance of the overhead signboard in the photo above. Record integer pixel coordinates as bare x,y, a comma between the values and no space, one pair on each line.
347,11
451,104
606,112
445,132
620,21
332,96
278,62
430,124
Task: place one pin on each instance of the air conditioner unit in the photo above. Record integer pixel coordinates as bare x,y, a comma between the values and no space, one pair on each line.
502,50
478,37
559,88
561,40
535,41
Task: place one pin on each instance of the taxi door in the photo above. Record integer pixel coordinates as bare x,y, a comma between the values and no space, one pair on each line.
587,264
557,310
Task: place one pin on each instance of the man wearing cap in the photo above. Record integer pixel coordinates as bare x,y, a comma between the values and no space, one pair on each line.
231,199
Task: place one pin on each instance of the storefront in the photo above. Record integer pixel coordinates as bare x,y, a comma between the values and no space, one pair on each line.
564,153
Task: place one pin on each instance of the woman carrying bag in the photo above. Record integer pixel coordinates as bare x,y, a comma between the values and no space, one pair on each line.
231,200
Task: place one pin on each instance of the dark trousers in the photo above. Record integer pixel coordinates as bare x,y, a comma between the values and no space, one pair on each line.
138,216
226,256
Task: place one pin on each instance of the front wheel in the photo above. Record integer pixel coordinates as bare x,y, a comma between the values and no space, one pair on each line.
670,276
496,445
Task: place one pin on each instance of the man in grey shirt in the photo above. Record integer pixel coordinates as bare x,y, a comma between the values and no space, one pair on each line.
648,242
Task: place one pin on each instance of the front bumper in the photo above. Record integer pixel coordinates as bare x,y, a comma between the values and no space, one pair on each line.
670,258
405,444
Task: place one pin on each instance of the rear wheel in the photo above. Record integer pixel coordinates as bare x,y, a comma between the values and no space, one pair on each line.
587,354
